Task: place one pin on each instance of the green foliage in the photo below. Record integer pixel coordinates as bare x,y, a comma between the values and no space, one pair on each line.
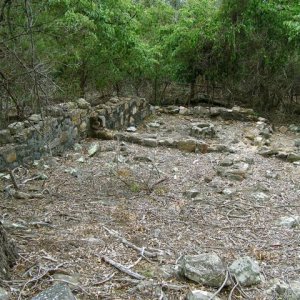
250,47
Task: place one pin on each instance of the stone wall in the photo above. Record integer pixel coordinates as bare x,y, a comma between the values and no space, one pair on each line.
62,126
117,114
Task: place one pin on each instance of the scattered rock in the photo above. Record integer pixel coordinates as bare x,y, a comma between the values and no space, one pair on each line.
73,171
246,271
187,145
142,159
77,147
16,127
289,222
21,195
192,193
183,110
82,103
293,157
153,125
238,171
229,192
266,151
8,225
131,129
272,175
283,129
104,134
294,128
71,280
35,118
93,149
200,130
81,159
149,142
58,291
4,295
201,295
227,162
260,196
206,269
286,291
219,148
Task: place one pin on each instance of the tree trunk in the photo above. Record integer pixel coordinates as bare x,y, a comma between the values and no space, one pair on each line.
8,254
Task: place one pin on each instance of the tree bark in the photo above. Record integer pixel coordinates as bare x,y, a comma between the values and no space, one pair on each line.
8,254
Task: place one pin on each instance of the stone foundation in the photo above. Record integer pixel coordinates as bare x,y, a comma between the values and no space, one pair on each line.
23,142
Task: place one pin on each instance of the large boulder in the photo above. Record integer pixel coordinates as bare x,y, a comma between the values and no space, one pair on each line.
246,271
58,291
206,268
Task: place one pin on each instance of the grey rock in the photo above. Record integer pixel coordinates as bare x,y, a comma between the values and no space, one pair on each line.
289,222
71,280
246,271
4,295
265,151
184,111
5,137
293,157
131,129
21,195
201,295
297,143
153,125
219,148
81,159
229,192
82,103
187,145
120,159
192,193
56,292
199,130
283,290
237,172
272,175
41,176
206,269
260,196
77,147
93,149
149,142
16,127
73,171
294,128
35,118
226,162
142,159
171,143
168,271
9,225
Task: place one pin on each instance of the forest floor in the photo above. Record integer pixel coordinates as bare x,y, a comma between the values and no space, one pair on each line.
138,193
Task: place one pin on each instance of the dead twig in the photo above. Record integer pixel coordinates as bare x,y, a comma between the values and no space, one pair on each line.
104,280
221,287
13,179
133,246
122,268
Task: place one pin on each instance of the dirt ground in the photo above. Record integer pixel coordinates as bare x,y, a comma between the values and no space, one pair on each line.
138,192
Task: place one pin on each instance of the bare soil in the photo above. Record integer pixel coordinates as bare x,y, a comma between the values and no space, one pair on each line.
143,201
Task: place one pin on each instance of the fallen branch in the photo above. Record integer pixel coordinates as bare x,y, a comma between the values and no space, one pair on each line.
122,268
104,280
221,287
133,246
13,179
